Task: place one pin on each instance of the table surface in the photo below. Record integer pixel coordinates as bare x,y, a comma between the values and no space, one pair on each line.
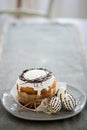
64,60
80,23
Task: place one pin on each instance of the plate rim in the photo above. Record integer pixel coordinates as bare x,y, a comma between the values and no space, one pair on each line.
50,119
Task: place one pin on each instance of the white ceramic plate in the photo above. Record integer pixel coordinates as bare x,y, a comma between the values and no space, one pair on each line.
12,107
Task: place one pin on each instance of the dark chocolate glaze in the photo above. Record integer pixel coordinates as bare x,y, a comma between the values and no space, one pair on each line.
36,80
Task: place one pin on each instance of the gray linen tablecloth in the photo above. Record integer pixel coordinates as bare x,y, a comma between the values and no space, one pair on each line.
52,46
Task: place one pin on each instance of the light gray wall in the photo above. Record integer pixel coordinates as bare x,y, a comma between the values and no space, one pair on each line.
71,8
66,8
61,8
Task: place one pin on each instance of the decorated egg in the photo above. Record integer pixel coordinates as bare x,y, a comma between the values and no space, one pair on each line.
68,101
54,104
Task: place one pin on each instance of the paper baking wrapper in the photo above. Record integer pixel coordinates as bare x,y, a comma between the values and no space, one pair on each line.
43,106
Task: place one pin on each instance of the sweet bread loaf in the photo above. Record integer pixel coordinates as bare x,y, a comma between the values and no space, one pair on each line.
35,84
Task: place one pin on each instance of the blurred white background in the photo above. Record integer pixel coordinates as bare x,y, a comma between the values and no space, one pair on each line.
72,11
60,8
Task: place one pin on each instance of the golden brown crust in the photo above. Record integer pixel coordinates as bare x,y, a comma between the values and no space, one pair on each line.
28,90
29,95
31,101
44,92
